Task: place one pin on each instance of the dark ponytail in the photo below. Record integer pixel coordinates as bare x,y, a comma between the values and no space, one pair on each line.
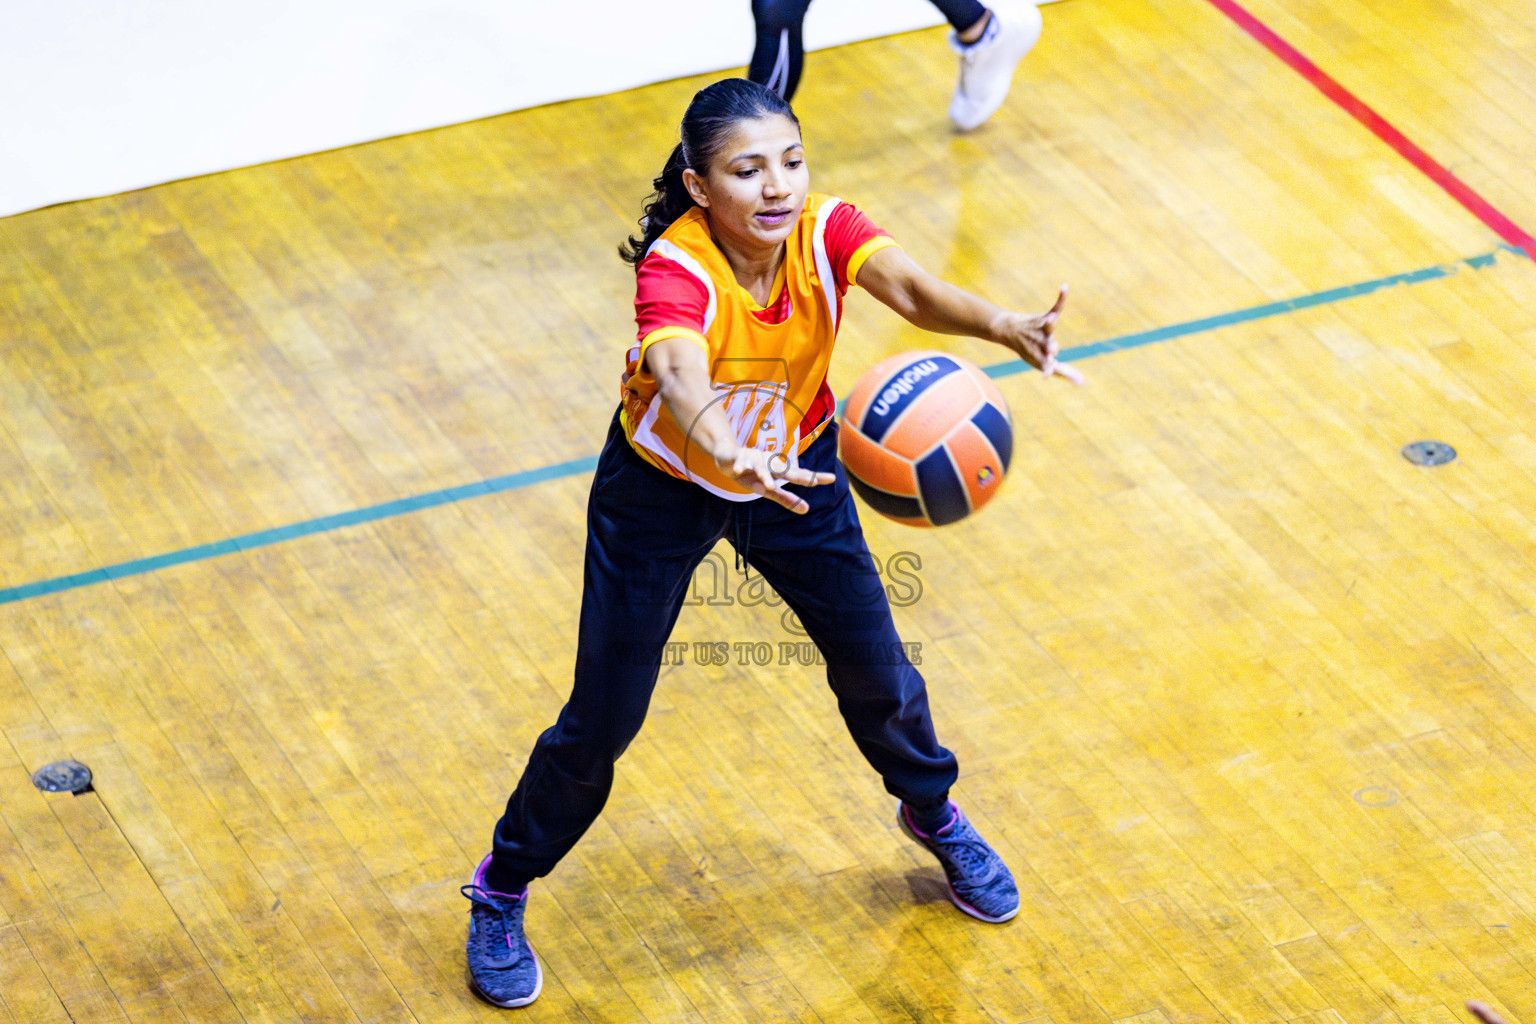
669,201
707,124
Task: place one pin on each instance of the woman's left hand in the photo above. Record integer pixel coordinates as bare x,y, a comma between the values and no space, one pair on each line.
1033,338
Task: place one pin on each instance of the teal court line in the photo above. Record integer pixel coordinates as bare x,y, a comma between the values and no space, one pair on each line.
527,478
1269,309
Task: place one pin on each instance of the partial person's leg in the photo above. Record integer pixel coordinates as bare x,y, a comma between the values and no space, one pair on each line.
820,564
964,16
991,41
779,52
646,533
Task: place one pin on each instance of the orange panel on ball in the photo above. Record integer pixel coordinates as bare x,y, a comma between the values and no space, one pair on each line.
933,414
874,465
858,401
981,471
988,387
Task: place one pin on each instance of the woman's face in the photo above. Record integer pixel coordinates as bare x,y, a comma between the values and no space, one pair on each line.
756,184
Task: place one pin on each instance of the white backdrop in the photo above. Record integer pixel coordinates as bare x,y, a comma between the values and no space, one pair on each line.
102,97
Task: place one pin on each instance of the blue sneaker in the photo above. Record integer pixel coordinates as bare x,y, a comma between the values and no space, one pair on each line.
502,967
979,882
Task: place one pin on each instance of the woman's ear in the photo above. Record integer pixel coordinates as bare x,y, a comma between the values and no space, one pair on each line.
695,186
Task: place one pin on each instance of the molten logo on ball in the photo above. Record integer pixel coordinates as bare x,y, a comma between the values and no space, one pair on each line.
902,385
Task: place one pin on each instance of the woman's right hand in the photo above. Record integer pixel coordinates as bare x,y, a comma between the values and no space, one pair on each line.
766,473
683,382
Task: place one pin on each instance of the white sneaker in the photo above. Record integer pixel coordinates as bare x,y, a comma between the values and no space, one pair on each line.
986,66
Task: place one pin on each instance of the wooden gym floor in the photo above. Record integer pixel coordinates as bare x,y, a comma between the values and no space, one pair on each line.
1244,697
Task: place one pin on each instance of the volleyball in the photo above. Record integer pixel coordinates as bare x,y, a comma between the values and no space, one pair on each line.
926,438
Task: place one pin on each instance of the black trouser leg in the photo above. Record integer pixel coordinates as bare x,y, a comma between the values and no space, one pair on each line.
820,564
646,534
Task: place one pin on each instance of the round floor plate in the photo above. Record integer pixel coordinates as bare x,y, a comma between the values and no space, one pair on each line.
62,777
1429,453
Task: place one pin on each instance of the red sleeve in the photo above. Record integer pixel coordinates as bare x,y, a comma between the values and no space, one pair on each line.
666,295
848,231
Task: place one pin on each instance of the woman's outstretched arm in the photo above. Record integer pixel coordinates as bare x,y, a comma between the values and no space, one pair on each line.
932,304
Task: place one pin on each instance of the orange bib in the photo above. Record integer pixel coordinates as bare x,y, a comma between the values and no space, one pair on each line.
765,375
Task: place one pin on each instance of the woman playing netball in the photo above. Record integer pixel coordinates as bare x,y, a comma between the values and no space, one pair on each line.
740,277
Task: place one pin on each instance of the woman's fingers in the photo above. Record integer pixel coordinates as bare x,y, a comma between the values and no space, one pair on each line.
793,502
778,465
1484,1013
763,475
1061,300
757,476
766,473
1070,372
1049,346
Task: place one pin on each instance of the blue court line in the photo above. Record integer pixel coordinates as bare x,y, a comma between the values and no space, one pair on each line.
527,478
1269,309
276,535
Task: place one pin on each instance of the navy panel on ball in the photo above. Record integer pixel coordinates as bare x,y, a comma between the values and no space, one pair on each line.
884,502
901,390
989,419
942,489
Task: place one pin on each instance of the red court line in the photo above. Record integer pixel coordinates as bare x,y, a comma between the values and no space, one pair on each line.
1380,127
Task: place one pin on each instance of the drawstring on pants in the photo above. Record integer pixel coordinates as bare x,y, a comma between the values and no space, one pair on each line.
743,537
